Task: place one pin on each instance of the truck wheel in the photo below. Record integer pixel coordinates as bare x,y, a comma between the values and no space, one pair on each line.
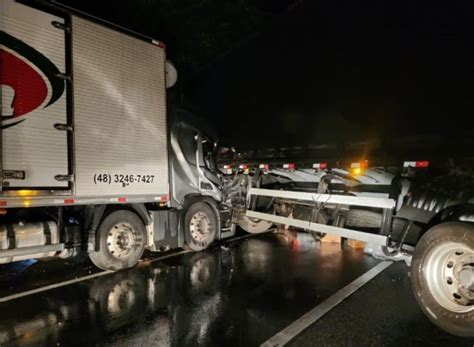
200,226
122,237
442,274
369,219
253,225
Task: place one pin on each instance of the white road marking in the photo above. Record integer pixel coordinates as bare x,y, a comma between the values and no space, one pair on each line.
53,286
295,328
102,273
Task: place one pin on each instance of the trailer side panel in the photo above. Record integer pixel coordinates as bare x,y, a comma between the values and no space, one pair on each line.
33,97
119,111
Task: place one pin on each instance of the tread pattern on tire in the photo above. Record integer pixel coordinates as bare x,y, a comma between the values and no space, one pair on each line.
357,218
461,324
102,258
190,243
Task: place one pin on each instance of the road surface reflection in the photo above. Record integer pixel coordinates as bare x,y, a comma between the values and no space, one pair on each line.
239,294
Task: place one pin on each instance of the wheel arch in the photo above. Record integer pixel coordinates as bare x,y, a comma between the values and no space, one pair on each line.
463,212
428,275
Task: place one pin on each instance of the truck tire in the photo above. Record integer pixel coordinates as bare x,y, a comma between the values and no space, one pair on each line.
253,225
442,274
373,220
363,219
199,226
122,239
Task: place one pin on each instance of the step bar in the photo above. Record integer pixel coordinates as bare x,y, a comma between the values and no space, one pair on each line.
326,198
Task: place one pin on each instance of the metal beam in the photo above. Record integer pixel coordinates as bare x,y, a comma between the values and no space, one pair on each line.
31,250
326,198
12,201
322,228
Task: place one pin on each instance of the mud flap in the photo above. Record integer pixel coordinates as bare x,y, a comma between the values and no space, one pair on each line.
166,230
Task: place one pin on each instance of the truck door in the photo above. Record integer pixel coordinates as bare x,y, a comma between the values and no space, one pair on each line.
207,160
33,141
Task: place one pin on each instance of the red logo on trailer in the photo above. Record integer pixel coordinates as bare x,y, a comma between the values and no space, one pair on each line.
28,79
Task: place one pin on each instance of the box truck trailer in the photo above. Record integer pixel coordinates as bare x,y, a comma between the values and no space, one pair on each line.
89,159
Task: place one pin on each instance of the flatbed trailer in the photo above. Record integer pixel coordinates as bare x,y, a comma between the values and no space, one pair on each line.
442,264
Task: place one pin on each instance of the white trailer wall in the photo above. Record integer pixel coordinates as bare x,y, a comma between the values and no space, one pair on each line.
119,111
32,49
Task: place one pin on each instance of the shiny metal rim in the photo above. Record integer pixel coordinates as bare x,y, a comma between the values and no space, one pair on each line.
121,239
449,275
200,226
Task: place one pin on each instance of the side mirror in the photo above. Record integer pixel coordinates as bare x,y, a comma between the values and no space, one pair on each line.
171,74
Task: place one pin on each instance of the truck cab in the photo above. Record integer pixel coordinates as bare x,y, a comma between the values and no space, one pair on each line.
193,159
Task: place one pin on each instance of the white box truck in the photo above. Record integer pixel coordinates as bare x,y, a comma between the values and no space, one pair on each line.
89,161
88,158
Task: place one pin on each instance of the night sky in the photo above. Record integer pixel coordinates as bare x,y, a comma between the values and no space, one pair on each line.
299,72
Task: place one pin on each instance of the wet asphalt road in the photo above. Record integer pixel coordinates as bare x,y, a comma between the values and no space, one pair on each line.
239,294
383,313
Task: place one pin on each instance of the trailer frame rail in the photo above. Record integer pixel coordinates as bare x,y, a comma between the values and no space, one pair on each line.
387,205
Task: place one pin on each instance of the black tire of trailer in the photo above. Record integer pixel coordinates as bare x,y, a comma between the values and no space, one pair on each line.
357,218
203,213
456,323
103,258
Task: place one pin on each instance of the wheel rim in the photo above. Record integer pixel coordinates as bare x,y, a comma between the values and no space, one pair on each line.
449,275
121,240
200,226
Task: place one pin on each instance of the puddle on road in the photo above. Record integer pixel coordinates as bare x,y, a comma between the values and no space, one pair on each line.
238,294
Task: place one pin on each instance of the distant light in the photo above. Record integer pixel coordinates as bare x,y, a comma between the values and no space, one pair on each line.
321,166
227,169
356,171
26,192
363,164
418,164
